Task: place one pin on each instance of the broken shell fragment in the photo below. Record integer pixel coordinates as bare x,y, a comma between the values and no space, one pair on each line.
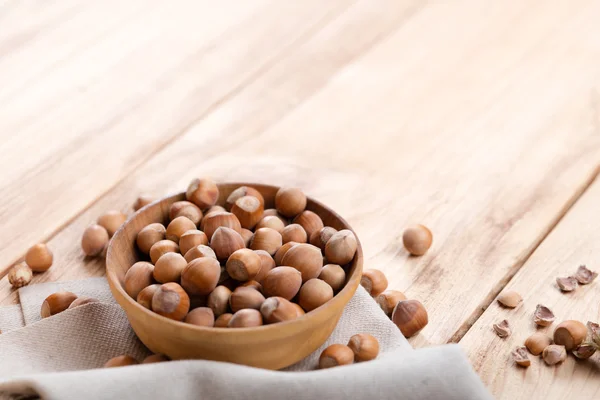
567,284
554,354
502,329
594,333
510,299
585,350
543,316
584,275
521,357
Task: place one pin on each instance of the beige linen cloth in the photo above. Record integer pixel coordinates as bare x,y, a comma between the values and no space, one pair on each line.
61,358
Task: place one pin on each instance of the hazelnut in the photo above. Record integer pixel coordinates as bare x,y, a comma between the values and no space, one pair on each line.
39,257
252,284
241,192
310,221
271,221
277,309
502,329
278,257
388,300
223,320
243,265
185,209
178,227
290,201
543,316
266,239
150,235
248,210
334,275
142,201
20,275
247,236
220,219
203,193
245,318
211,211
266,264
306,258
57,303
171,301
570,334
112,221
537,342
521,358
201,276
410,317
155,358
314,293
94,240
245,297
509,299
335,355
554,354
138,276
83,300
201,316
341,247
198,252
293,233
299,310
584,275
191,239
168,268
417,239
374,281
162,247
283,282
584,351
271,212
121,361
321,237
567,284
145,296
364,346
218,300
225,242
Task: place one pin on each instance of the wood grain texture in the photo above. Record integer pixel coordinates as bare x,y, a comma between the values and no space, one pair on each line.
116,102
572,243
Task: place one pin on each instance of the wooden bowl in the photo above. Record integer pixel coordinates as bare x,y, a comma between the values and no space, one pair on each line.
270,346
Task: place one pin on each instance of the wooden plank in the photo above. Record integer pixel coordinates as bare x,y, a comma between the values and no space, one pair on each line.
573,242
271,96
123,98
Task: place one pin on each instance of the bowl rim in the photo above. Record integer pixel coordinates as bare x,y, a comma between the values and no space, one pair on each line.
351,284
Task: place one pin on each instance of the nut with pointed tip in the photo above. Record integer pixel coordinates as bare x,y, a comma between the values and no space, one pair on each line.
112,221
245,297
554,354
584,351
374,282
155,358
537,342
410,316
520,356
94,240
185,209
20,275
271,221
364,346
278,257
306,258
247,236
341,247
290,201
570,334
203,192
201,276
57,303
277,309
168,268
267,263
252,284
266,239
243,265
83,300
218,300
225,242
201,316
223,320
211,211
241,192
191,239
336,355
321,237
502,329
543,316
310,221
142,201
417,239
137,277
314,293
271,212
171,301
584,275
245,318
199,251
39,257
121,361
149,235
293,233
389,299
145,296
509,299
248,210
283,282
335,276
178,227
214,221
162,247
567,284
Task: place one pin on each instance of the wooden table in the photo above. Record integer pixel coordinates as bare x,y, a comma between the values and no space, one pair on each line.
480,120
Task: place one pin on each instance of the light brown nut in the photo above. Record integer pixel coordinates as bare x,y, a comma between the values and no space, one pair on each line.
57,303
112,221
509,298
39,257
364,346
20,275
336,355
149,235
137,277
417,239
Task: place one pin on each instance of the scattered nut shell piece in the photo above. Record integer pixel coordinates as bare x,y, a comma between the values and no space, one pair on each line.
567,284
584,275
543,316
502,329
554,354
521,357
509,299
584,351
20,275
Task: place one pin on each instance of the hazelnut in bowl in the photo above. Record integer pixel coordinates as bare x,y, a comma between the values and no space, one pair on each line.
213,274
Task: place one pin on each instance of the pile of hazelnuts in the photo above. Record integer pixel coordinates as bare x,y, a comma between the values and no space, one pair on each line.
238,265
